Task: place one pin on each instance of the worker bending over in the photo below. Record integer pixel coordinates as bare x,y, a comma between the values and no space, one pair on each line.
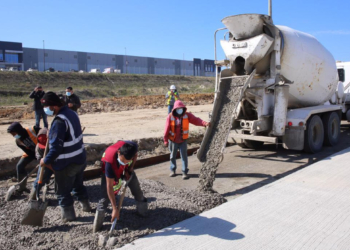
117,164
26,139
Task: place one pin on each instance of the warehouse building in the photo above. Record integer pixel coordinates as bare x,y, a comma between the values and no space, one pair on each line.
14,55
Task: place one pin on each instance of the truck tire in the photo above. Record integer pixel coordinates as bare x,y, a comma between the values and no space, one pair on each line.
254,144
331,125
314,135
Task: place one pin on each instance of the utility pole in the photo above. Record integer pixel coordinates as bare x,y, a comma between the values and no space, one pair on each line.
126,63
183,63
44,53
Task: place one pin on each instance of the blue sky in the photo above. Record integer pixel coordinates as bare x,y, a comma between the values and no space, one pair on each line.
165,29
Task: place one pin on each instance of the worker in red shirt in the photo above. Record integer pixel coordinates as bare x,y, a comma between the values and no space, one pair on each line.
117,164
176,135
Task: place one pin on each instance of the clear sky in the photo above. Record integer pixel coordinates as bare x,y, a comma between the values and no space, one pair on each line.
165,29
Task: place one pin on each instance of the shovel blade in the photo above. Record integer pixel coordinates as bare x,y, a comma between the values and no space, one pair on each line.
35,214
9,193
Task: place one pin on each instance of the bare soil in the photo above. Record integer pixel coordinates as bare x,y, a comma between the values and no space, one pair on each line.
113,104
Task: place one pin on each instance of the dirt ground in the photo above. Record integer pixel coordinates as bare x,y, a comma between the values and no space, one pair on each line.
114,104
109,127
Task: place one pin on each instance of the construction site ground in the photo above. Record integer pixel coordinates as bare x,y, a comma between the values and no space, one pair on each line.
170,199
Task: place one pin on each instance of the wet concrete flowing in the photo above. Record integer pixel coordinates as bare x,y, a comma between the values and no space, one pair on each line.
216,137
167,206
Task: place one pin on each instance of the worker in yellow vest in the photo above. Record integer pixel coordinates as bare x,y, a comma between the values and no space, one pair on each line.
171,96
176,134
26,139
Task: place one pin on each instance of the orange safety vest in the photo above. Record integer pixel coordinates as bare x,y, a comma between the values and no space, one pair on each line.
169,98
33,137
185,127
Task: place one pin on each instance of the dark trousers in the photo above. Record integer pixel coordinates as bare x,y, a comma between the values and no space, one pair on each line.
38,114
21,167
134,186
70,180
46,179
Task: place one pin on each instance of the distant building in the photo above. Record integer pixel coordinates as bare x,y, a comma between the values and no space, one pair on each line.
12,54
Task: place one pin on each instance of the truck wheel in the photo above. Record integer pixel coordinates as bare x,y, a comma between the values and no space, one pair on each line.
331,124
254,144
314,135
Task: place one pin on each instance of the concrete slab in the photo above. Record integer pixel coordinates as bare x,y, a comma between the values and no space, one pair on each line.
309,209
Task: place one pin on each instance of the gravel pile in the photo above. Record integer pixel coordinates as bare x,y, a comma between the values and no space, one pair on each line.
167,206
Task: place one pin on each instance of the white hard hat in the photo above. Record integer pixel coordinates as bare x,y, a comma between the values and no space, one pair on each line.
172,87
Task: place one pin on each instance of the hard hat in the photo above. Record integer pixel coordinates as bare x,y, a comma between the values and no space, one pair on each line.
172,87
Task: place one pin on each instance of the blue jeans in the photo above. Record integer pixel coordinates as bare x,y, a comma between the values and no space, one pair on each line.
173,147
70,180
47,175
170,108
21,167
38,115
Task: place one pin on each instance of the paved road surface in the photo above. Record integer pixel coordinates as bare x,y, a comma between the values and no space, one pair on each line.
309,209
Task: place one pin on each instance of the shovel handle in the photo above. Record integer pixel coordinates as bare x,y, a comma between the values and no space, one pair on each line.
113,226
41,177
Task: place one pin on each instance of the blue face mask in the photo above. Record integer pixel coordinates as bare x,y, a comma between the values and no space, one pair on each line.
17,136
122,163
48,111
179,111
68,94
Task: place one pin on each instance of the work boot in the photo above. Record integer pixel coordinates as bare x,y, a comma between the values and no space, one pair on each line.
68,214
142,207
32,194
185,176
172,174
98,222
86,205
23,186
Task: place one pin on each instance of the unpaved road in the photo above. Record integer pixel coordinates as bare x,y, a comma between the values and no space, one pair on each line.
110,127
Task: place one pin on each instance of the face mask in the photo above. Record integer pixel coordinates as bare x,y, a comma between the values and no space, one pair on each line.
122,163
17,136
48,111
68,94
179,111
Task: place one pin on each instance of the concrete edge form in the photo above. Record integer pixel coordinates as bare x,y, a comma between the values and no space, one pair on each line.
309,209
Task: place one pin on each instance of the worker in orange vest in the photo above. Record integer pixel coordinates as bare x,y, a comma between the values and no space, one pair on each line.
26,139
176,134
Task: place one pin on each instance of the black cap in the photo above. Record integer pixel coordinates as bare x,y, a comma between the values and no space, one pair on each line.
70,88
39,87
15,127
51,99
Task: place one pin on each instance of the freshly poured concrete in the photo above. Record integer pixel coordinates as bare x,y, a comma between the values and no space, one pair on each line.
309,209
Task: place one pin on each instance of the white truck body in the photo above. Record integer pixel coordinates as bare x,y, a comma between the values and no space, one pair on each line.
95,71
294,95
108,70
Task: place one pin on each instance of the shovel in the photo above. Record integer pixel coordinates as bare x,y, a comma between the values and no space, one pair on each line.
12,189
108,240
35,214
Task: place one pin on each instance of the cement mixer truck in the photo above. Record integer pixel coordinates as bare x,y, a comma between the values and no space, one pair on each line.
276,85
